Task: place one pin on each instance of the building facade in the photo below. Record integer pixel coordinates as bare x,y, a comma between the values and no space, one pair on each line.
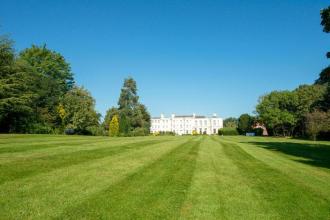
186,124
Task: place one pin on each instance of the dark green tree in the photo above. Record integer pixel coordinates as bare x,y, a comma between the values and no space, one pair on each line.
245,123
324,76
134,118
54,79
17,95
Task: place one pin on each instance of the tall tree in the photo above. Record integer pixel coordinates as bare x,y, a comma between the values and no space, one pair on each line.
134,118
17,96
325,22
54,79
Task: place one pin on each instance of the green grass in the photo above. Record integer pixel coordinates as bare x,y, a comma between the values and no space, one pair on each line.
79,177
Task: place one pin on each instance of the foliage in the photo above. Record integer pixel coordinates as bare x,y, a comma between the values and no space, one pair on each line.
96,130
17,94
258,131
325,19
229,131
194,132
164,133
109,115
324,76
278,111
316,122
53,79
230,122
114,127
80,113
245,123
134,118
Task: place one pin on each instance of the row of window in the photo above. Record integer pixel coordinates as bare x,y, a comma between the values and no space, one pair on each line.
215,122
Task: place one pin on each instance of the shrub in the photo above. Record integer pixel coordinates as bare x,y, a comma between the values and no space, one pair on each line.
258,131
228,131
167,133
40,129
138,132
96,130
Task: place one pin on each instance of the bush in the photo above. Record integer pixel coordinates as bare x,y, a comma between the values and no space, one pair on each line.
138,132
96,131
164,133
258,131
228,131
40,129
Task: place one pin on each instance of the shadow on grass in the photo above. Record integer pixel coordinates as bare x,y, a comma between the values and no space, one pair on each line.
313,154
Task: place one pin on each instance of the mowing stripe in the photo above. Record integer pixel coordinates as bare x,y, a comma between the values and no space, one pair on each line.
67,148
50,144
218,190
156,191
271,185
23,168
46,195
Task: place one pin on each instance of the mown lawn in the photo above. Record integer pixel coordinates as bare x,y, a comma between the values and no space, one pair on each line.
79,177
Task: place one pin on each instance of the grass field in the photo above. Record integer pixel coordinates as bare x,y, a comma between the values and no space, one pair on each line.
78,177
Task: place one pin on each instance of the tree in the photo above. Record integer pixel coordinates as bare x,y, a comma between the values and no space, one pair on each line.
324,104
17,96
278,111
79,106
134,118
108,116
317,122
325,19
325,22
114,126
230,122
324,76
53,80
245,122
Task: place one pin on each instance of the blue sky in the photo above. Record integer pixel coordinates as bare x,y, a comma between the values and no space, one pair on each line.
186,56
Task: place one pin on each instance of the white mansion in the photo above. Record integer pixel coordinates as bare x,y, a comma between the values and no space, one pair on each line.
186,124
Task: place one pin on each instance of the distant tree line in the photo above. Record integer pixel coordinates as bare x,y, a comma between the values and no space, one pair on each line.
303,112
38,94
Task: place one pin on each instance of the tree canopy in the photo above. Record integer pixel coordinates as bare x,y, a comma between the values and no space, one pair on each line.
134,118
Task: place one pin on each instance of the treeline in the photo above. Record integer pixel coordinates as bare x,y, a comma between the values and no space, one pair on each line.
303,112
38,94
